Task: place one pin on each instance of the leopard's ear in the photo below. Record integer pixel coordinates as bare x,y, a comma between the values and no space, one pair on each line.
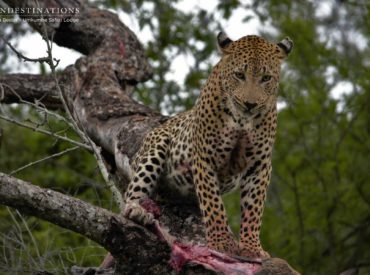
223,42
286,46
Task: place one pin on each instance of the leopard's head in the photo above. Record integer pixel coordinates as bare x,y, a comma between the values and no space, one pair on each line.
249,71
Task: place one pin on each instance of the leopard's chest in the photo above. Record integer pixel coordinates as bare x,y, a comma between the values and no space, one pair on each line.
221,153
179,177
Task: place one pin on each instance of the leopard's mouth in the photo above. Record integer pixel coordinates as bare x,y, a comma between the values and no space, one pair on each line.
244,109
252,113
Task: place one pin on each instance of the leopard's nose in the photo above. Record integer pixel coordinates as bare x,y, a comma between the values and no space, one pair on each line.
249,105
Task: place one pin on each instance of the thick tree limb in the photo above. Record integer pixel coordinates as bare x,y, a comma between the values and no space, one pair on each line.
126,240
97,33
120,236
98,87
55,207
30,88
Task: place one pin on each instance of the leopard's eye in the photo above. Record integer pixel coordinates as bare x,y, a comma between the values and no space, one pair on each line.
266,78
240,75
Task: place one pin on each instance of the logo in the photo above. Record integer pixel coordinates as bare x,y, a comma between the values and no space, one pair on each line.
9,15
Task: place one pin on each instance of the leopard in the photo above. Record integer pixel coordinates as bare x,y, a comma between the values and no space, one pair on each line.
223,143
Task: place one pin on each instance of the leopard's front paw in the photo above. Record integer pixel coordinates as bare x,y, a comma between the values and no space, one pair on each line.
254,254
228,245
134,211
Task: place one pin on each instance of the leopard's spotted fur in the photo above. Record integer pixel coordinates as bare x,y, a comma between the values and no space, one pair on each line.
225,141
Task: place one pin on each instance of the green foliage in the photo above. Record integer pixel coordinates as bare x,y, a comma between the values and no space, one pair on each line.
317,214
28,243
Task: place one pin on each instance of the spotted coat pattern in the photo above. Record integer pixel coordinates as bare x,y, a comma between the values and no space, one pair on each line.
225,141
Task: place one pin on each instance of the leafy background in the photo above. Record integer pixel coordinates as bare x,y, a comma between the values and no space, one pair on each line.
317,213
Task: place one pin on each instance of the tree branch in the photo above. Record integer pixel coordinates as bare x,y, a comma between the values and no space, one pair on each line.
55,207
42,131
25,58
121,237
43,159
30,88
97,88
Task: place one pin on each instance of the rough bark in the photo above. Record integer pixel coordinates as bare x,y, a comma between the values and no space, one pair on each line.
123,238
126,240
97,89
29,87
